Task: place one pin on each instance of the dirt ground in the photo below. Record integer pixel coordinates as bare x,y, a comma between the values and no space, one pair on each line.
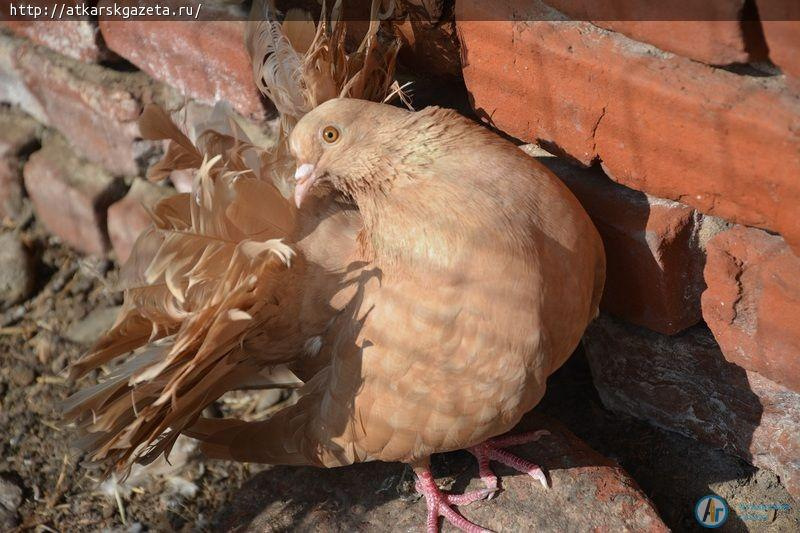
60,491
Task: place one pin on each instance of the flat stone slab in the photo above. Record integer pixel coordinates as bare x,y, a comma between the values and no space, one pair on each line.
588,492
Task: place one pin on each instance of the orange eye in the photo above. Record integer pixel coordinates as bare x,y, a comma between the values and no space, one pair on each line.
330,134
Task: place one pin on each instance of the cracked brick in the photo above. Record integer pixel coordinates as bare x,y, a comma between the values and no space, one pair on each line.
723,143
205,60
752,303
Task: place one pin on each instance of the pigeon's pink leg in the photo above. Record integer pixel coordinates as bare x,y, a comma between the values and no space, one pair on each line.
440,504
492,450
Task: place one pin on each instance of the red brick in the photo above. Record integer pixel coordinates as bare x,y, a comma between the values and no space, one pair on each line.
205,60
94,107
753,302
707,31
780,20
725,144
684,384
18,133
654,250
128,217
78,39
70,196
782,38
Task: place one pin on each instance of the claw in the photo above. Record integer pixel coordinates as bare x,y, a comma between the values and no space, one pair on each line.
440,504
492,450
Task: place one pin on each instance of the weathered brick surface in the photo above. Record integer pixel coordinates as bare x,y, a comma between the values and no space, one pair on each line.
654,250
780,20
128,217
18,134
70,196
707,31
783,38
78,39
753,302
725,144
684,384
94,107
206,60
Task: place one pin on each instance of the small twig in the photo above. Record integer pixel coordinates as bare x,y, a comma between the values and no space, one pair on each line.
13,331
58,491
120,506
51,380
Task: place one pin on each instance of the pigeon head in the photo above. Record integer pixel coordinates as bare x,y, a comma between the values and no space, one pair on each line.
342,143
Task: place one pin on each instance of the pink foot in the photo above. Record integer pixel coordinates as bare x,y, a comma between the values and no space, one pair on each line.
440,504
492,450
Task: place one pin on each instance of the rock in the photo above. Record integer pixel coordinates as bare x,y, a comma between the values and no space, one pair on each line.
10,500
588,492
76,38
10,493
96,108
18,134
89,328
22,376
128,217
13,89
655,249
752,304
204,59
70,196
710,32
11,191
723,143
17,277
684,384
780,21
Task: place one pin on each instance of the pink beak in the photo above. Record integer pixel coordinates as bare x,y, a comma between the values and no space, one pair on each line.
304,176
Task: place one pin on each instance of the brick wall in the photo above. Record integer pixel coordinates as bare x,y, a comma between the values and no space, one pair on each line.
681,139
691,131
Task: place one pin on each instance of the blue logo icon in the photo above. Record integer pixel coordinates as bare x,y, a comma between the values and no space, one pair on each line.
711,511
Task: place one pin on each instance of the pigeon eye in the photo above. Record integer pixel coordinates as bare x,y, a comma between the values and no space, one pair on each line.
330,134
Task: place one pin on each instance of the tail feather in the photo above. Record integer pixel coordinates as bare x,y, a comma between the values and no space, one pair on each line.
212,269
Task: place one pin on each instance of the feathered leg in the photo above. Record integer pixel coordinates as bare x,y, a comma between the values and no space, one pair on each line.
493,450
440,504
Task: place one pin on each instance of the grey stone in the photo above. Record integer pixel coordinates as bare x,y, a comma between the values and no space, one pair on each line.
88,329
16,270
